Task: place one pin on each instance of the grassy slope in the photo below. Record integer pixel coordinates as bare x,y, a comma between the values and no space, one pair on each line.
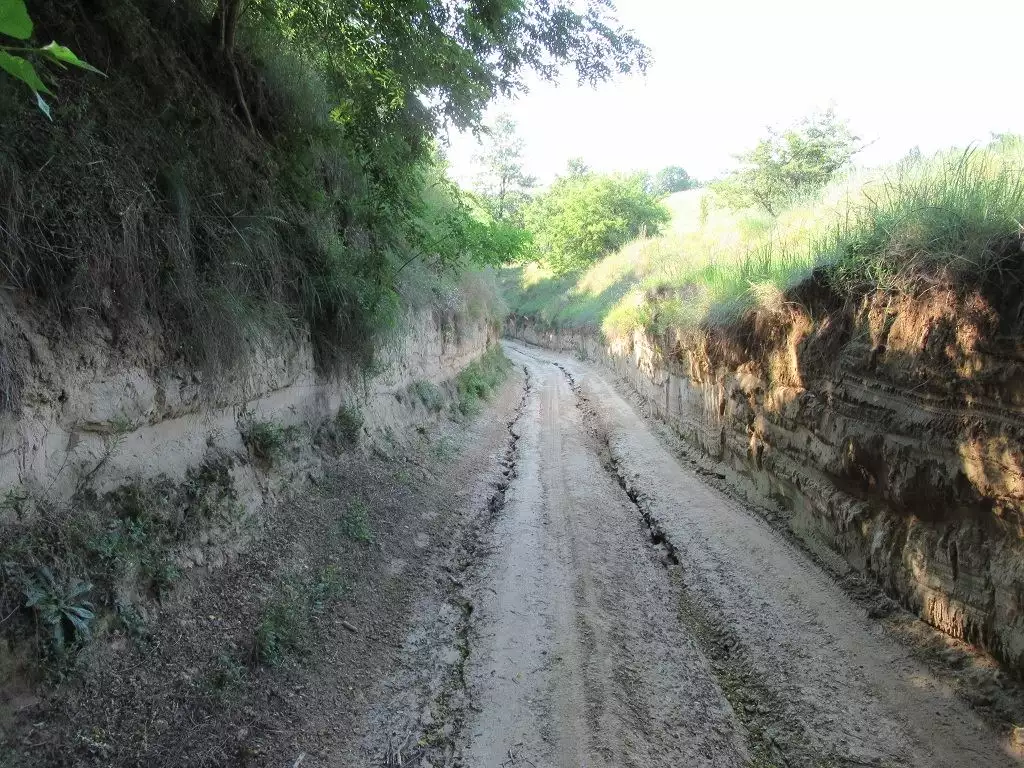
957,214
147,206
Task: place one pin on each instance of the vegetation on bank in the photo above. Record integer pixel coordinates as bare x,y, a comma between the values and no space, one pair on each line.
481,377
956,215
246,173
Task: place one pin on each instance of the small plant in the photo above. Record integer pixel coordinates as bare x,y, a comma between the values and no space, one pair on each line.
349,423
227,673
430,395
327,586
267,441
356,522
62,608
15,23
290,616
446,448
478,379
283,627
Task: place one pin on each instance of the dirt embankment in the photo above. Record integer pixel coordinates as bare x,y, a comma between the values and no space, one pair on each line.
127,481
892,428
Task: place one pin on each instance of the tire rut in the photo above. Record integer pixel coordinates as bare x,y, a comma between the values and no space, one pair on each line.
435,737
774,736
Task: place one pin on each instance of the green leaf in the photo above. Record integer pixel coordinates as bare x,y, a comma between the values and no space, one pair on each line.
81,611
19,68
77,588
14,19
58,634
43,106
33,595
81,626
61,55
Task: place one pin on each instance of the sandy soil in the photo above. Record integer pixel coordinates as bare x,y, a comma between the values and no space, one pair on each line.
631,615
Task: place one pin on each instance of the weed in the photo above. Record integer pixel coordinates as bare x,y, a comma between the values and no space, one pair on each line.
267,440
124,542
61,607
227,673
355,523
430,395
446,449
327,586
289,617
349,423
284,625
476,381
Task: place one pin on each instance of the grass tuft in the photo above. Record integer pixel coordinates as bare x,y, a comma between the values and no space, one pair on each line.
267,440
477,380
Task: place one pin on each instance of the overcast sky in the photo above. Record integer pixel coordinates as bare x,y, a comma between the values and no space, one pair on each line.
904,72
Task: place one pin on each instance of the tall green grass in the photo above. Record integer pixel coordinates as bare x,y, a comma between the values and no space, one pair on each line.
954,215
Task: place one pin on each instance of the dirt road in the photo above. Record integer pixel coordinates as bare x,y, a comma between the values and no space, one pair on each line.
630,615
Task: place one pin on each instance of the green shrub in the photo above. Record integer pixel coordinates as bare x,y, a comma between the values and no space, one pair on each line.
355,523
477,380
267,440
349,423
430,395
289,617
62,608
284,625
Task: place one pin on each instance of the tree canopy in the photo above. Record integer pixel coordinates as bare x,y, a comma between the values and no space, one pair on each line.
586,215
671,179
502,183
798,161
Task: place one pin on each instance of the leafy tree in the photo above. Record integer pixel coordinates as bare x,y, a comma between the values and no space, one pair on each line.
798,161
586,215
14,59
399,69
503,185
459,231
576,167
672,179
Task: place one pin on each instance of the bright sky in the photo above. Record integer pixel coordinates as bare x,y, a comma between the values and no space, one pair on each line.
904,72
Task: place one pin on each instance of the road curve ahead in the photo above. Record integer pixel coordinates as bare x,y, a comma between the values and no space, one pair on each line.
631,615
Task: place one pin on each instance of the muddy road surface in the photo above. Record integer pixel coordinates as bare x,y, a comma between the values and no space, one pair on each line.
625,613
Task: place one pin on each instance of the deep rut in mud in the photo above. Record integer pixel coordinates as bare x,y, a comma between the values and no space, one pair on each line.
772,736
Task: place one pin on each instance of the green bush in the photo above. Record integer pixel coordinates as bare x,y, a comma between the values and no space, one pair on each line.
289,617
585,215
430,395
956,214
477,380
284,625
355,523
349,423
267,440
62,608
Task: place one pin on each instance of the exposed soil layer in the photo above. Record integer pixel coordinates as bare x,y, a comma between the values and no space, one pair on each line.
891,428
278,657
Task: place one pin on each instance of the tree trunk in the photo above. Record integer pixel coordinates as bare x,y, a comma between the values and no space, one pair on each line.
225,22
